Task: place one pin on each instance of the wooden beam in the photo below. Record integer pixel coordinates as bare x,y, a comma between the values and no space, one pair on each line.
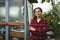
11,23
14,23
17,34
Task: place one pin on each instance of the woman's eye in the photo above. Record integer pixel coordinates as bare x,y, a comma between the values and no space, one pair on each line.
37,11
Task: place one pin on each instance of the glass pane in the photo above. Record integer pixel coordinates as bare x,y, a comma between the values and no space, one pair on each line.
16,10
2,10
2,18
16,13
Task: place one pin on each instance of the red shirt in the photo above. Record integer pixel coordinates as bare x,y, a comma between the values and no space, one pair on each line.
41,28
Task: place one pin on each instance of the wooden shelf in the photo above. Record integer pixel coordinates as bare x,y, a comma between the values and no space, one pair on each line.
11,23
14,23
2,23
13,33
17,34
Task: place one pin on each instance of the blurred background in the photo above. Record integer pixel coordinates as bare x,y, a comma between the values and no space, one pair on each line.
15,16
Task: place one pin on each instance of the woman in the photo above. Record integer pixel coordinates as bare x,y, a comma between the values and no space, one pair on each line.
38,26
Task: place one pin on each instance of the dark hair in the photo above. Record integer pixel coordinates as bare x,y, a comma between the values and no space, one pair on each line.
34,11
37,8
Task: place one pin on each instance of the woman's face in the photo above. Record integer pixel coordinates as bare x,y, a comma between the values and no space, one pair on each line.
38,13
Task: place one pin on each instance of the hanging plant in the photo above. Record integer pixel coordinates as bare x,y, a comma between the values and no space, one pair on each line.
43,1
48,0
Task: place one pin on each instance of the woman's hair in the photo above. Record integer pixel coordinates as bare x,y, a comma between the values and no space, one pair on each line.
34,12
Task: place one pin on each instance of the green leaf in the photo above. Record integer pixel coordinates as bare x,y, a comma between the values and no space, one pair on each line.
48,0
43,1
44,15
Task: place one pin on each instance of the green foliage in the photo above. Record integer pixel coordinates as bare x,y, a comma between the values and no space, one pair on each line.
43,1
48,0
55,21
44,15
57,8
51,18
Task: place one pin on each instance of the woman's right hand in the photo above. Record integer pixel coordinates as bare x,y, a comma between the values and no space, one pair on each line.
31,28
